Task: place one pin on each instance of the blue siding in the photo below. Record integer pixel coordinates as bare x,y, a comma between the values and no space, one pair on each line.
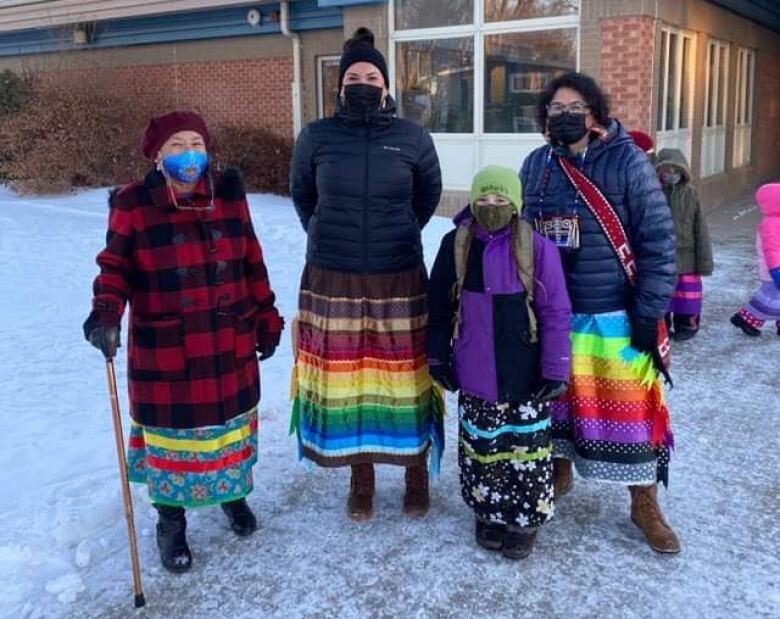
325,3
196,25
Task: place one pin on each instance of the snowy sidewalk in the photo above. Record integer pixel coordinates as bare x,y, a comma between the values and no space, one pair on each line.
63,546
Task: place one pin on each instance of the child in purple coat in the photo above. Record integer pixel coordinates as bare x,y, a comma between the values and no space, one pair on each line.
509,354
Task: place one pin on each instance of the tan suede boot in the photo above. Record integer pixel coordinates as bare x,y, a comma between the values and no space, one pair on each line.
416,500
646,514
563,478
360,504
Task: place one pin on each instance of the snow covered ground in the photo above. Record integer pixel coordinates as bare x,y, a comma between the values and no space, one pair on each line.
63,550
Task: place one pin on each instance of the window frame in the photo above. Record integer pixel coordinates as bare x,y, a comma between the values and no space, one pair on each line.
321,60
662,99
744,106
478,30
717,95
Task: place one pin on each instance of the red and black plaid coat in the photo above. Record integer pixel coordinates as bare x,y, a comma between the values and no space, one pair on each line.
200,300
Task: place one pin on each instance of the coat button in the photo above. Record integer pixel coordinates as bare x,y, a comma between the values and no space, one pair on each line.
182,271
185,302
216,234
221,265
178,239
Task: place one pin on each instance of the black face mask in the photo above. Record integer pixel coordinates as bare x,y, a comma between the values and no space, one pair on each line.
566,128
362,99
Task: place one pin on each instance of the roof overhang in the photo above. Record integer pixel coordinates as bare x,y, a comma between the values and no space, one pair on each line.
28,14
764,12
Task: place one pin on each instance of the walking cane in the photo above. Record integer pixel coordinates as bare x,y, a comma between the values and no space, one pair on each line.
126,498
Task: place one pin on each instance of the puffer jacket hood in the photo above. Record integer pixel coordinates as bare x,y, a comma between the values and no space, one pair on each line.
768,198
674,157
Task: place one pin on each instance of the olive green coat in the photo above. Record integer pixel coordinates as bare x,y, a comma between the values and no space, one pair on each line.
694,247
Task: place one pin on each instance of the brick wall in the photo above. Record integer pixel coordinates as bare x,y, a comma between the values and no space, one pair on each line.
766,117
253,92
627,68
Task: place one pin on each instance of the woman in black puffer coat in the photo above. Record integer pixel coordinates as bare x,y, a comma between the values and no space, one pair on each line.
364,184
613,422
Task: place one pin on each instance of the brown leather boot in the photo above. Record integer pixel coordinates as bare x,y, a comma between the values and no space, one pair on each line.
360,504
646,514
563,478
416,500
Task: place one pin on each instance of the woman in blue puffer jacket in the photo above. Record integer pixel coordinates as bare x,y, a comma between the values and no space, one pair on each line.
613,422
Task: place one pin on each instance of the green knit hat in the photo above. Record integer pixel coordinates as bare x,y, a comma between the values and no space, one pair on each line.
499,180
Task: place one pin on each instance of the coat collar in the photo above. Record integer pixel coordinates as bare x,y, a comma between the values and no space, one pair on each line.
161,193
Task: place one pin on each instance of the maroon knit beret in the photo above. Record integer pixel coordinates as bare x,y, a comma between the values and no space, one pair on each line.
160,128
642,140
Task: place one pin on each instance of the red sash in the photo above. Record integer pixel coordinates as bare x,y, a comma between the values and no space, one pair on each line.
618,239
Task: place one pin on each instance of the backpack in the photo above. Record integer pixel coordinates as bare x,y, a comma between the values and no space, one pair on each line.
523,250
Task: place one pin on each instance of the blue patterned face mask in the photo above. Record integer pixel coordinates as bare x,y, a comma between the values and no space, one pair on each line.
186,167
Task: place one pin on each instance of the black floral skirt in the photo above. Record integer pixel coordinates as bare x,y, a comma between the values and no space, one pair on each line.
505,458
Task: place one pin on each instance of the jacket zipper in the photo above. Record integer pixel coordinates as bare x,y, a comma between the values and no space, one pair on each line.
364,258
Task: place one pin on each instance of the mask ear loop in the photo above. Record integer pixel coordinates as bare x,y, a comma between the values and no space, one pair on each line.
169,186
600,132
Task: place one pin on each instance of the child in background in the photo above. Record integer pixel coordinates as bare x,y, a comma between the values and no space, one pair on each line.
765,303
493,279
694,248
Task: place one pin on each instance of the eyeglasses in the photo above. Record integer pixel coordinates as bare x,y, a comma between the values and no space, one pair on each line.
576,107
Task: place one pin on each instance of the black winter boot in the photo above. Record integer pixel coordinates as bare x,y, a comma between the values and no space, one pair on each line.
490,535
175,554
519,542
738,321
241,518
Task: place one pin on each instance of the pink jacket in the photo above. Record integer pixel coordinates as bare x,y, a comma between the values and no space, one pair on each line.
768,237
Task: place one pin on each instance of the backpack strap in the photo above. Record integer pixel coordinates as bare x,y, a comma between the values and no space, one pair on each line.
463,238
523,250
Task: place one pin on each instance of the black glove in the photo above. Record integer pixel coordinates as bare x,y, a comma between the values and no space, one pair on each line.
548,390
105,339
442,373
265,351
644,338
644,335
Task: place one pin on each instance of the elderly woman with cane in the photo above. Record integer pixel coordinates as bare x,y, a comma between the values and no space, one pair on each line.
181,250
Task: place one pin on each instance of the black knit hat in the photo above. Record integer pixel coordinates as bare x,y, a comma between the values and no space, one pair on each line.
360,48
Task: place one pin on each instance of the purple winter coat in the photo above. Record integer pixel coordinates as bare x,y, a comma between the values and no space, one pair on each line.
493,357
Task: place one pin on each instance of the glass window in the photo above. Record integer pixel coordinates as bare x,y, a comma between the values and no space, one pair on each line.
328,80
715,97
675,95
722,85
662,80
743,117
506,10
517,67
432,14
435,83
749,96
685,83
745,66
671,83
709,100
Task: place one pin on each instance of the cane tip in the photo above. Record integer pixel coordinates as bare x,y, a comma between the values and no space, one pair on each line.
140,600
